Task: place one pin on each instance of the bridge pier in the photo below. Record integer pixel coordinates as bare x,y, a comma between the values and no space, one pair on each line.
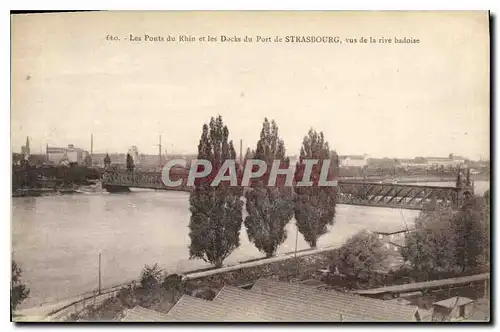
116,189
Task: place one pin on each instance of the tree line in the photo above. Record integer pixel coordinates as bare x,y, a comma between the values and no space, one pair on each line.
27,175
446,240
217,211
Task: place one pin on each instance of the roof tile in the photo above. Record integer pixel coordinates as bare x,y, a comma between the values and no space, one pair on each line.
263,307
353,306
140,314
453,302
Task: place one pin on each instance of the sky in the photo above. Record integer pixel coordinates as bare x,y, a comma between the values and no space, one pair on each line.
394,100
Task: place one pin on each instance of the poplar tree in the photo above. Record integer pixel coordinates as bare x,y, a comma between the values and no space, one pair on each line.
315,205
107,161
130,163
248,155
216,212
269,208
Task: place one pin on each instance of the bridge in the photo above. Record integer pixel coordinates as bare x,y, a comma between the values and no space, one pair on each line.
350,192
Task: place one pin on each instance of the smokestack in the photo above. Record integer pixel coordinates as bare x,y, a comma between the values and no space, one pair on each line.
91,145
159,150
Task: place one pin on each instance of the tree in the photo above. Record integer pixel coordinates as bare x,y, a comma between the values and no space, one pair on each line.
471,226
130,163
430,248
269,208
450,240
315,205
88,160
216,212
361,255
486,211
248,155
18,291
173,282
107,161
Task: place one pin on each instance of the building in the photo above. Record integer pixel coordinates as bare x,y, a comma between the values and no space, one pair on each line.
55,155
272,301
415,288
400,301
134,152
98,159
481,311
70,155
17,158
414,163
74,155
353,161
437,162
452,309
451,161
393,238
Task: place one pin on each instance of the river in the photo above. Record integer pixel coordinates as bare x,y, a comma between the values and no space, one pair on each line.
56,240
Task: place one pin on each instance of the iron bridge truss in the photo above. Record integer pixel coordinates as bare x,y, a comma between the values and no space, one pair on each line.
402,196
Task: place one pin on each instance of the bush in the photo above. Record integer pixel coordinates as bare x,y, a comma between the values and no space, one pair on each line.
360,256
151,276
18,291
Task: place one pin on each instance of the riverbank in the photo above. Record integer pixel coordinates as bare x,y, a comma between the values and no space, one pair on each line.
87,188
311,268
195,280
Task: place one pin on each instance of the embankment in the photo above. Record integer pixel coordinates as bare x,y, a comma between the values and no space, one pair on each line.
286,267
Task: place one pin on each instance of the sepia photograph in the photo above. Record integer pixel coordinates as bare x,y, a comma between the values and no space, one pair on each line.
250,166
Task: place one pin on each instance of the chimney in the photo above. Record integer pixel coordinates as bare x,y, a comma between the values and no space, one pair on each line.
91,144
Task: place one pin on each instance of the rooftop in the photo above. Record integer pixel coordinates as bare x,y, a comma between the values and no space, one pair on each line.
427,284
193,309
481,311
399,300
353,307
140,314
453,302
257,306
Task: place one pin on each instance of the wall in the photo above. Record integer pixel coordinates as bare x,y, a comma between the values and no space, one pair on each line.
279,268
72,156
56,157
348,162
